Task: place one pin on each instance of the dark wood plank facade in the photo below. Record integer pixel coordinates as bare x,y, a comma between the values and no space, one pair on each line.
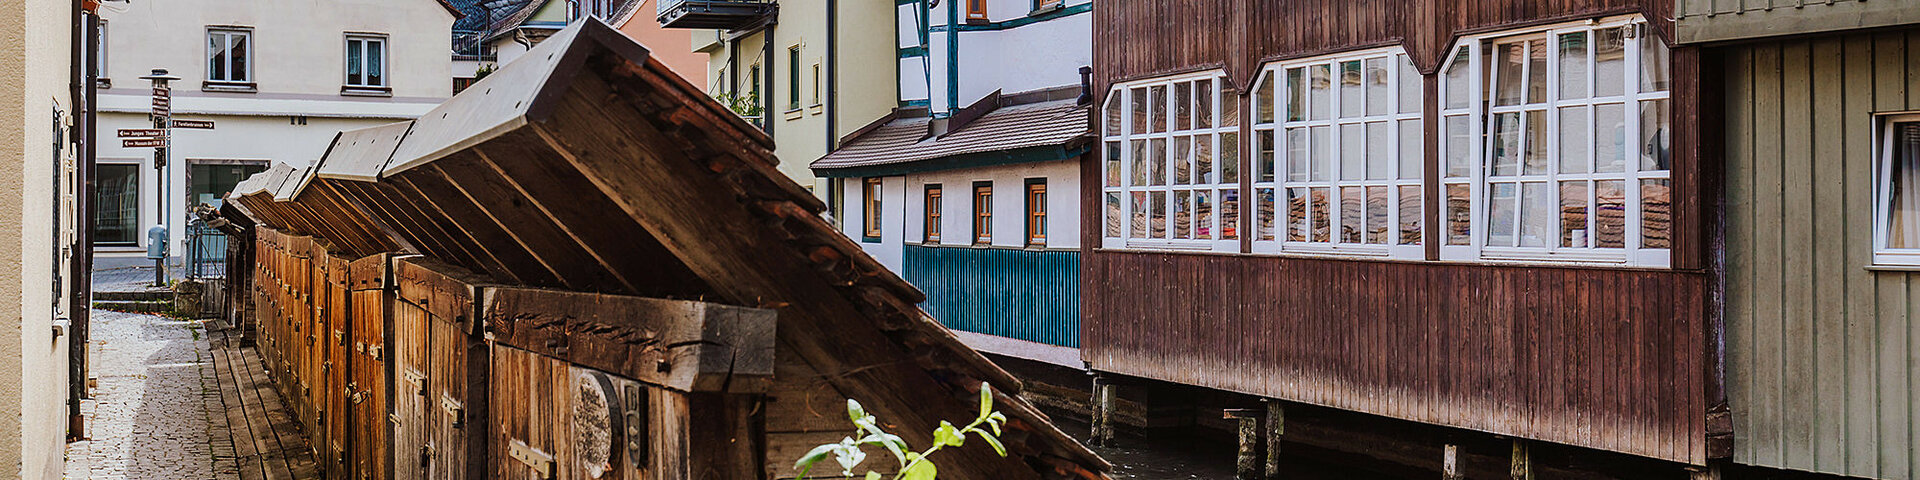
1616,359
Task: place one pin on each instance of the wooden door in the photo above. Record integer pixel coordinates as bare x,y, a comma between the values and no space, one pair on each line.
408,372
368,388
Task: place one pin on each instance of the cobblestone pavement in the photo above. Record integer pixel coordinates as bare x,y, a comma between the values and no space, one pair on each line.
124,279
156,410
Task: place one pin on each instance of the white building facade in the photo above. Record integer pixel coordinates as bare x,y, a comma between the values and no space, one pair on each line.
970,188
278,78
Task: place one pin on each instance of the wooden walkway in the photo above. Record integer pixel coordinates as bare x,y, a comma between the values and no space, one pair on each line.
267,443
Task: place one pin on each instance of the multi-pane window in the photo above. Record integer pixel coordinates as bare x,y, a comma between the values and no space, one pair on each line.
1036,212
933,206
1337,156
229,55
1556,146
1172,162
982,213
1898,220
870,208
366,61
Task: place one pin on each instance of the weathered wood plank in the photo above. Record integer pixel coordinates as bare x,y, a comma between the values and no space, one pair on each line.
724,243
684,345
1769,342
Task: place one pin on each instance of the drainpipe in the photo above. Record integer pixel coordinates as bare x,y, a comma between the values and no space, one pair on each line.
833,67
767,92
80,268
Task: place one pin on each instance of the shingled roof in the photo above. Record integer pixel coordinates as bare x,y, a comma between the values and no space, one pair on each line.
587,165
1046,130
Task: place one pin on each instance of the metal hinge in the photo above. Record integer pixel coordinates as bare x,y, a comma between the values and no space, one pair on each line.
542,463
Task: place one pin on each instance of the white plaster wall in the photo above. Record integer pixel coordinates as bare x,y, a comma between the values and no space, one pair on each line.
299,45
34,43
236,137
1028,57
903,219
299,67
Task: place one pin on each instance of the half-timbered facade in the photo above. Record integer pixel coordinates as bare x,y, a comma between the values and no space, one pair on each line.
1479,215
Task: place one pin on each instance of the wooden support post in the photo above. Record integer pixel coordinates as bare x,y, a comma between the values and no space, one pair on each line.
1450,463
1102,411
1248,466
1522,468
1276,428
1709,472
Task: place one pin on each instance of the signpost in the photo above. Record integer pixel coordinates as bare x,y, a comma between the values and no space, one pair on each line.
194,124
158,237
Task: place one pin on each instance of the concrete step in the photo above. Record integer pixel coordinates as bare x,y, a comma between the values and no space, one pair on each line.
139,296
135,306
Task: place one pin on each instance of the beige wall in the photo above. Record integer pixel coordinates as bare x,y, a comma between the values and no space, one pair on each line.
299,66
34,63
865,82
299,45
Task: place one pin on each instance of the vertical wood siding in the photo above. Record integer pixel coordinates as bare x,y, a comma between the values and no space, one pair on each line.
1598,358
1821,357
1028,295
1135,39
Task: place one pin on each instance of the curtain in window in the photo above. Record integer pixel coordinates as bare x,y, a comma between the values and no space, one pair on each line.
1903,229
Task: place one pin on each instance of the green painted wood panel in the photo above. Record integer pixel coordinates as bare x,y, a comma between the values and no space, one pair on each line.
1820,349
1699,21
1023,294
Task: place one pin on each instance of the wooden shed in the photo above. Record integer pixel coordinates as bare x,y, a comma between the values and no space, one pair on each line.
613,281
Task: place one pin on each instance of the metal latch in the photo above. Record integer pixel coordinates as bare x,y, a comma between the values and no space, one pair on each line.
418,380
454,410
542,463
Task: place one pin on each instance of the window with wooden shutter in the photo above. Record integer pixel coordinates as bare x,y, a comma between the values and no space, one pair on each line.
982,213
1036,212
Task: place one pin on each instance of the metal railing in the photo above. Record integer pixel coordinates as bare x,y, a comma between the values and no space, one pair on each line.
471,45
206,255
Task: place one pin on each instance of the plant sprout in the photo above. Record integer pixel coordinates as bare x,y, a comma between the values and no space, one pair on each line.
913,465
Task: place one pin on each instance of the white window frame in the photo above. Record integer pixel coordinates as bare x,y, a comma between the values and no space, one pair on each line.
1219,130
1883,193
1481,113
227,33
386,73
1278,189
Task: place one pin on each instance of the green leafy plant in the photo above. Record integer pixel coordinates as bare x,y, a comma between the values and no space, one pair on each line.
746,106
913,465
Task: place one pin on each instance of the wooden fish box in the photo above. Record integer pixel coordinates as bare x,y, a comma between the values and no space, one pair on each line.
440,372
369,282
591,386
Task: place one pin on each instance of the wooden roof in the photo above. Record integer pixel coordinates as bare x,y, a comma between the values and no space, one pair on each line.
591,167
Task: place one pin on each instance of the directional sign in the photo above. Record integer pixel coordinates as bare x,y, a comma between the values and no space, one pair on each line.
142,132
195,124
162,102
162,92
143,142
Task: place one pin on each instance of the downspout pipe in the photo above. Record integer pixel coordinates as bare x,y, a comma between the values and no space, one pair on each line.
768,90
80,266
833,69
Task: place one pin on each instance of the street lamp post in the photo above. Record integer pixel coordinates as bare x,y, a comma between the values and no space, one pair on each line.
158,238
